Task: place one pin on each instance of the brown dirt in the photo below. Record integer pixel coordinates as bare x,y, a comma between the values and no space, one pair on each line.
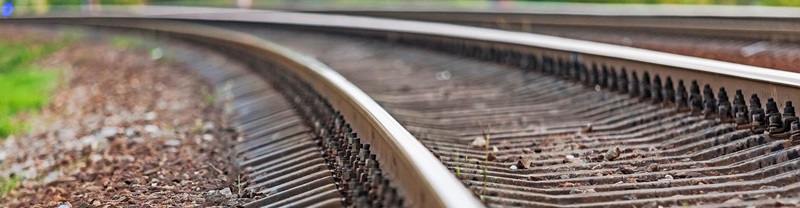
125,130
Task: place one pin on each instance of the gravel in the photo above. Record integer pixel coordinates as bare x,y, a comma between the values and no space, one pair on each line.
124,129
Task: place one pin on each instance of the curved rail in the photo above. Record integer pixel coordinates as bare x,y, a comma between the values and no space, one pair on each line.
424,180
575,48
516,38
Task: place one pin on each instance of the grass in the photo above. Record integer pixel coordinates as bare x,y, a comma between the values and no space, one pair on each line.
8,184
126,43
208,96
23,90
239,184
24,87
458,161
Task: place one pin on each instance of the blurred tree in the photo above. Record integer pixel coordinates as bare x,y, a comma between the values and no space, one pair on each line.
792,3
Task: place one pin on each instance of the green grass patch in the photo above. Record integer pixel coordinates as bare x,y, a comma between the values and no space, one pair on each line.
8,184
125,42
208,96
24,87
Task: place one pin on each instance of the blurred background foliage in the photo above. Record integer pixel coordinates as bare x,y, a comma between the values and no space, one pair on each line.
793,3
45,3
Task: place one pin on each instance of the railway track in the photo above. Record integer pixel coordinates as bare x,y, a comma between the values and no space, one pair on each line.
277,148
663,153
520,119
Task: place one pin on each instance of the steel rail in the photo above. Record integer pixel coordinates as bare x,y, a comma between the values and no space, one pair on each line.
713,67
517,38
739,71
425,181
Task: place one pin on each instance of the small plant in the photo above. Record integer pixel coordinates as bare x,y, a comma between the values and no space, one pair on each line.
460,160
72,34
458,163
208,96
8,184
485,168
239,184
126,42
